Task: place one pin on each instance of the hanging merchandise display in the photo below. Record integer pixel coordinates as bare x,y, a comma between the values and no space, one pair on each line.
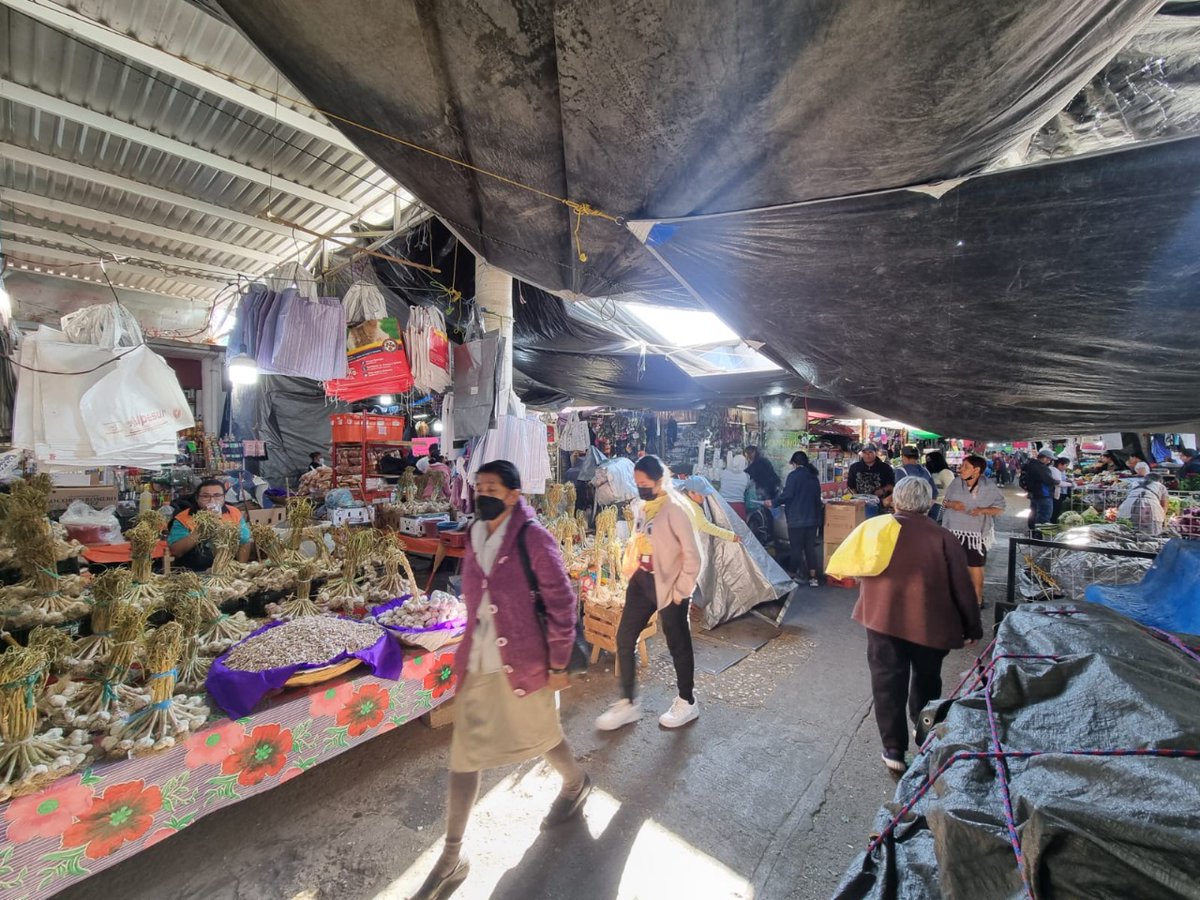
376,363
522,441
573,435
287,334
429,349
107,325
475,385
81,405
364,302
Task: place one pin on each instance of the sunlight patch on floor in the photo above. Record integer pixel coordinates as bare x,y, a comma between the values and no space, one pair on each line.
506,823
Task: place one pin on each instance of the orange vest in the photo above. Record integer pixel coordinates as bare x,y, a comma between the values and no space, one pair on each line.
232,513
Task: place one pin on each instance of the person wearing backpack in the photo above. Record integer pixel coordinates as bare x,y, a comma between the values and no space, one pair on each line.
510,663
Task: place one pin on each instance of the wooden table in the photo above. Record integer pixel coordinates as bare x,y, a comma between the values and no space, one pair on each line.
424,546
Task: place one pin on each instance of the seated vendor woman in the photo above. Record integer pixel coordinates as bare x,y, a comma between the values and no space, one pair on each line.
198,555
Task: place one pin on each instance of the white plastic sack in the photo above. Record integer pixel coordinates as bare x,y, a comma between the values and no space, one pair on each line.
107,325
138,403
364,302
614,482
92,526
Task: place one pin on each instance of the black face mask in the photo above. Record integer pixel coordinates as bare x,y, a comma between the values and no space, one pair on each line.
646,493
489,508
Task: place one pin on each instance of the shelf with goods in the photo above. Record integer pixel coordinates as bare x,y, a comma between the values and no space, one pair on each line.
360,440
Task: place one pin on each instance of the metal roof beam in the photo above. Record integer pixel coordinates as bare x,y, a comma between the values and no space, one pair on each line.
37,233
70,256
19,93
26,270
169,64
137,188
22,199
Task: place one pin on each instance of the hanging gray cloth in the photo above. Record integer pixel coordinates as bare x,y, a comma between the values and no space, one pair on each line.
475,365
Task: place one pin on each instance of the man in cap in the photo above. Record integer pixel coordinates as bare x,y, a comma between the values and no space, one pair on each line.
871,475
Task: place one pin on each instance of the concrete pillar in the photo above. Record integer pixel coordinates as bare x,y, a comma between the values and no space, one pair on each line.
493,293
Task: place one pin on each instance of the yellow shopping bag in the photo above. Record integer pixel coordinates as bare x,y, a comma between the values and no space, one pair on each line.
868,549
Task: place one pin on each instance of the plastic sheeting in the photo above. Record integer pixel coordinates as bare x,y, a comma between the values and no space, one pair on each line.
1168,597
736,577
1088,826
672,112
1056,298
291,415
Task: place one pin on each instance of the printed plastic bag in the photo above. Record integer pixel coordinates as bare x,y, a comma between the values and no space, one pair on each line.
91,526
137,404
867,551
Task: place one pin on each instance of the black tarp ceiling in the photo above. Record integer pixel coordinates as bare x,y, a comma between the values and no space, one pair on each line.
666,111
560,358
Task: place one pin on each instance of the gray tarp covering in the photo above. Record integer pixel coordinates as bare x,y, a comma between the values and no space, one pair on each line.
736,576
292,416
671,110
1101,826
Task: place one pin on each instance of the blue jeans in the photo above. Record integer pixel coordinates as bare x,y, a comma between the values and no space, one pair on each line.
1040,511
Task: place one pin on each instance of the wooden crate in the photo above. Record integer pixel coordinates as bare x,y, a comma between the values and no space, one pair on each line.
440,716
600,625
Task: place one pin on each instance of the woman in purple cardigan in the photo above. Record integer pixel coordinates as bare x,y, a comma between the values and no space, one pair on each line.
508,667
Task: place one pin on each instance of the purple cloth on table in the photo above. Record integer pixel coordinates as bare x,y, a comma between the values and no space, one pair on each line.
239,692
452,625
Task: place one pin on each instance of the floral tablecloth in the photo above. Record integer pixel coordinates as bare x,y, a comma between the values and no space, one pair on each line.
94,819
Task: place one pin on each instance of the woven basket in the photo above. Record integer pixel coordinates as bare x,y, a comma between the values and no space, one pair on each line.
324,673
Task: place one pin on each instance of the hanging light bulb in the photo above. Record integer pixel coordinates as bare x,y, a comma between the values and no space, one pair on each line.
386,399
242,369
774,410
437,427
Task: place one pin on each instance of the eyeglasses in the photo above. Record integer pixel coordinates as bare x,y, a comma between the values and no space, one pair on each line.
203,497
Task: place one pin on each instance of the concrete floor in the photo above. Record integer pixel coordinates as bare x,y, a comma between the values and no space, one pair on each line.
768,796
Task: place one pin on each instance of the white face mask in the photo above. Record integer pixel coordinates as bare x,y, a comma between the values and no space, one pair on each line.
216,507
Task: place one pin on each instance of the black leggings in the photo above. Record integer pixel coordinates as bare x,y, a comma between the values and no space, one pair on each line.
641,602
804,549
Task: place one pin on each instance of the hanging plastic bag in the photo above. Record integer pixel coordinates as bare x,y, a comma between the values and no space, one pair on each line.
91,526
107,325
867,551
138,404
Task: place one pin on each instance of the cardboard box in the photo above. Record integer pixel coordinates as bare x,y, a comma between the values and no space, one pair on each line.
842,517
95,497
359,515
440,716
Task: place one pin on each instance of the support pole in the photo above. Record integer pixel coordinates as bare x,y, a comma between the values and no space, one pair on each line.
493,294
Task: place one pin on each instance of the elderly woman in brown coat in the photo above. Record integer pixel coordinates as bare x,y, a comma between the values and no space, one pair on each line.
921,607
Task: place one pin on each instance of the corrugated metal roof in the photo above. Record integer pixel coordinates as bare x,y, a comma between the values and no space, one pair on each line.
66,175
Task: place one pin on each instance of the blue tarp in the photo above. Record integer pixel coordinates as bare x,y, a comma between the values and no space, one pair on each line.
1168,597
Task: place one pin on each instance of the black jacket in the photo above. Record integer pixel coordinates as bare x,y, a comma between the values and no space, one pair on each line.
764,476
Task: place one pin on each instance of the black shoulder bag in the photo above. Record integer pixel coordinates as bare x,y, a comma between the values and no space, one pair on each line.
580,652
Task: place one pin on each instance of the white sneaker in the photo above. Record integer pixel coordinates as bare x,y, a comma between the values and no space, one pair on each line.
680,713
623,712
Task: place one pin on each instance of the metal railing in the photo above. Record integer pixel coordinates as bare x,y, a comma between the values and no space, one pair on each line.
1051,582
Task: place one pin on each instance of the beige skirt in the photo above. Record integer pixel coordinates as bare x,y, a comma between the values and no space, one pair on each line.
494,727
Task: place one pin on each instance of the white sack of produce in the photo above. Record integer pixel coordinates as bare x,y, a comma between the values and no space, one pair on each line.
138,402
614,482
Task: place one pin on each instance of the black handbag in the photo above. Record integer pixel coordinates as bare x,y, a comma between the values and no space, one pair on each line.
580,651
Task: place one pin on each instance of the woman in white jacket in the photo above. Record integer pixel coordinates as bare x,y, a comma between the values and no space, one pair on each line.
734,482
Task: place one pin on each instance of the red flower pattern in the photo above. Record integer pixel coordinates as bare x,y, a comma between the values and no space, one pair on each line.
441,678
122,813
364,710
49,812
417,667
261,753
328,699
210,746
290,774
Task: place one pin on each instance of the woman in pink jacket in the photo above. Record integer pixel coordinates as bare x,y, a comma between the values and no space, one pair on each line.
662,574
508,666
